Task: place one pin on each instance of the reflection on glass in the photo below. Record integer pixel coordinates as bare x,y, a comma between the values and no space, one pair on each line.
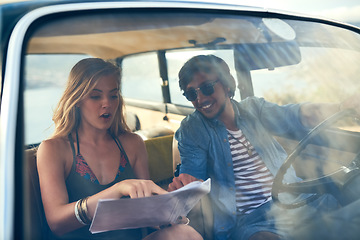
284,61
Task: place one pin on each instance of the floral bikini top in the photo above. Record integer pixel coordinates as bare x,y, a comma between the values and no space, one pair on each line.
81,182
85,171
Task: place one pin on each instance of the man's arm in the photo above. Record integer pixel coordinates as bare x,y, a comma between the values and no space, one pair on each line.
314,113
193,157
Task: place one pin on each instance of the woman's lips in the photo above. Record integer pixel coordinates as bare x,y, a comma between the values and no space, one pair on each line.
106,115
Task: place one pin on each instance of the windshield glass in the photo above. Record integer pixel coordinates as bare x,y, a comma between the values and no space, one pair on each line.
284,61
276,66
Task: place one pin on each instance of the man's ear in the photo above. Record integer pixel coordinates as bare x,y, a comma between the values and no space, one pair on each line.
228,92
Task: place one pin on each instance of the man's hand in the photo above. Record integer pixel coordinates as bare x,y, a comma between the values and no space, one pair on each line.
180,181
351,102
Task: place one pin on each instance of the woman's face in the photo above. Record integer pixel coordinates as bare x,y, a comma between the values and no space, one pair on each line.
99,107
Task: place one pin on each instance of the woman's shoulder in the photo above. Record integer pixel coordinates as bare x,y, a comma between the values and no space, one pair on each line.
55,141
55,155
133,144
54,145
130,138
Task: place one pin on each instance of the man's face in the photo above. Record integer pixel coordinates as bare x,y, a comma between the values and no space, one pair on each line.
213,105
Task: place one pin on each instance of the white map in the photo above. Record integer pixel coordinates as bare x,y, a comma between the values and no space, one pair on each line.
125,213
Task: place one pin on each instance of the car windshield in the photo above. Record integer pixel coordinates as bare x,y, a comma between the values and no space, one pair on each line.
284,61
279,62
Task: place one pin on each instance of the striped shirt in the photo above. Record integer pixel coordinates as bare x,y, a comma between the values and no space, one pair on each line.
253,180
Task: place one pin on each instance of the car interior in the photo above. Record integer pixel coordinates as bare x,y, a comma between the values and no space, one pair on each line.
279,57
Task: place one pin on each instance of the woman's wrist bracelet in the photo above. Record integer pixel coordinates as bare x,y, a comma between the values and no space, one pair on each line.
187,221
81,211
77,213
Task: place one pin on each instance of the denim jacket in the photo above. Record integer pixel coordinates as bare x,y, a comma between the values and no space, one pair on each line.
205,150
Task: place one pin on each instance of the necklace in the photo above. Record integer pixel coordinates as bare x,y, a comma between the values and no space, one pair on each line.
246,144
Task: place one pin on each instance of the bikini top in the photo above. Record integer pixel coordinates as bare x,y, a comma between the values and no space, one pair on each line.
82,182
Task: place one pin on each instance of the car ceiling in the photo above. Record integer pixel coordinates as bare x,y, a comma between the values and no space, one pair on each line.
112,34
117,36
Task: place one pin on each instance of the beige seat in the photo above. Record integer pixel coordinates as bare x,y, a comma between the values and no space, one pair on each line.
35,226
160,159
201,216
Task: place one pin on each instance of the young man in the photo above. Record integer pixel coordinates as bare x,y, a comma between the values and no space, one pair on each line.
231,142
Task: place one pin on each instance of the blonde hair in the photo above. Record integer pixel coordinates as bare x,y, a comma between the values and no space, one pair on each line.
82,79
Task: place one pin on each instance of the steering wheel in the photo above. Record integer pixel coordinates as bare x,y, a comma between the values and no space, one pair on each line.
315,187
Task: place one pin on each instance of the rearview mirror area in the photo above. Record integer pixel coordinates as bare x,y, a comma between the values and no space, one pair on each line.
268,55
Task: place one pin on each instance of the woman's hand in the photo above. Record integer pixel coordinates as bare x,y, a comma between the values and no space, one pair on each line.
137,188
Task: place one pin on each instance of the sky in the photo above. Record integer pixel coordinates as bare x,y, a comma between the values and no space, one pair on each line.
340,10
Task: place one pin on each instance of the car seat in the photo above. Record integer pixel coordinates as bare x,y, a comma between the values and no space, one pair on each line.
35,224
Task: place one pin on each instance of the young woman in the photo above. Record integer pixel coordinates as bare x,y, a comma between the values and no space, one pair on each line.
92,155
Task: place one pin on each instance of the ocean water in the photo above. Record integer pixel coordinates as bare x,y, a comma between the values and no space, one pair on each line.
39,105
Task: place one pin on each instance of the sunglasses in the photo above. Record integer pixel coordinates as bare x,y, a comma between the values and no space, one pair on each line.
206,89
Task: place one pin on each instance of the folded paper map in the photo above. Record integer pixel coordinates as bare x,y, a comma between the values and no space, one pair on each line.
157,210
